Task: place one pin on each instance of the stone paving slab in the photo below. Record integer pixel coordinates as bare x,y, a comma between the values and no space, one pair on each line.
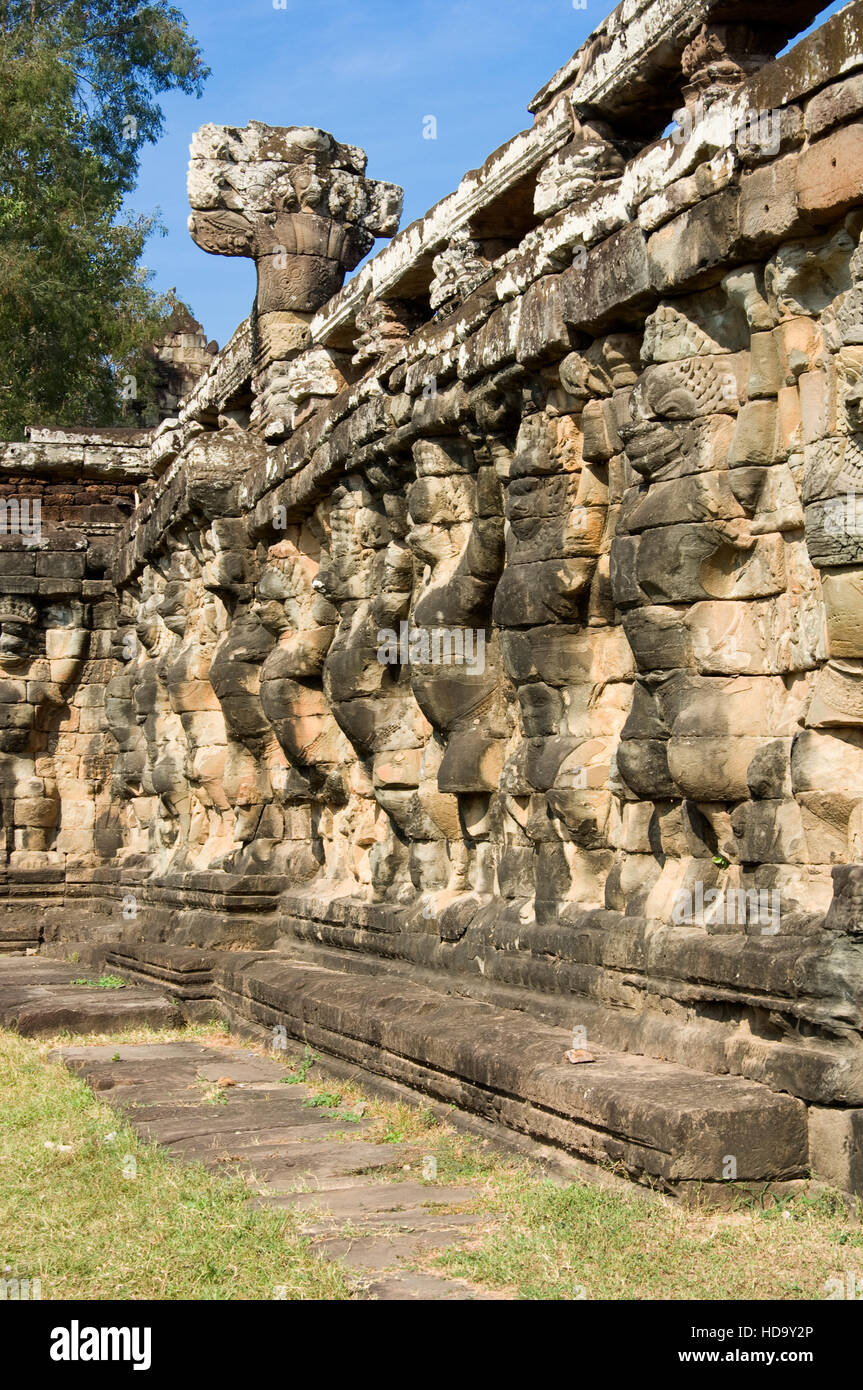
347,1203
36,970
411,1221
391,1247
295,1156
246,1146
197,1117
38,1010
39,997
183,1053
421,1287
325,1163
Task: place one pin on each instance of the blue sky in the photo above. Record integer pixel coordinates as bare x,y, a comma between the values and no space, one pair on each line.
368,72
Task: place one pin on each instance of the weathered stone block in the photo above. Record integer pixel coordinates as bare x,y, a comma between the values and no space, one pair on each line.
837,102
544,592
689,563
843,603
830,174
836,1147
768,205
694,242
613,285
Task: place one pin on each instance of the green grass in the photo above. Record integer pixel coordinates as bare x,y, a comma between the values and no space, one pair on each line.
174,1231
330,1102
300,1069
553,1241
103,982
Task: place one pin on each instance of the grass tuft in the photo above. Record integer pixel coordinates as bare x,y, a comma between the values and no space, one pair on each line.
103,982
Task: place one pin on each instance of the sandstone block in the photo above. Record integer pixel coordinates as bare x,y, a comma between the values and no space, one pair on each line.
694,242
836,1147
830,174
768,205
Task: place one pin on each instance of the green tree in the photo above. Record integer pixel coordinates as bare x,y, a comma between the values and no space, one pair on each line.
79,88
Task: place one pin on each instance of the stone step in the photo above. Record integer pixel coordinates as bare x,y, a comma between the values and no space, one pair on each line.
818,1070
609,977
39,997
660,1120
664,1122
89,956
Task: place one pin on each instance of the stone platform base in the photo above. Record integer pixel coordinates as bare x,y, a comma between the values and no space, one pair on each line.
741,1079
659,1122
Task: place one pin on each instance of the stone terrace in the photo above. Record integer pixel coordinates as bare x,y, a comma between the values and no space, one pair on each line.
471,671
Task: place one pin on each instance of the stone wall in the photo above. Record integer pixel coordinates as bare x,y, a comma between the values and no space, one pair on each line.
498,618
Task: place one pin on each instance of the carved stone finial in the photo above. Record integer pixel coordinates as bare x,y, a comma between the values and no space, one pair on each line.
382,325
294,200
719,58
458,269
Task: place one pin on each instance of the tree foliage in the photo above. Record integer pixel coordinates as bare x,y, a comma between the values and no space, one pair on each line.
79,88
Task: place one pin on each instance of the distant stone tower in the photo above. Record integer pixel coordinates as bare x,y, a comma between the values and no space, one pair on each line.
181,359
